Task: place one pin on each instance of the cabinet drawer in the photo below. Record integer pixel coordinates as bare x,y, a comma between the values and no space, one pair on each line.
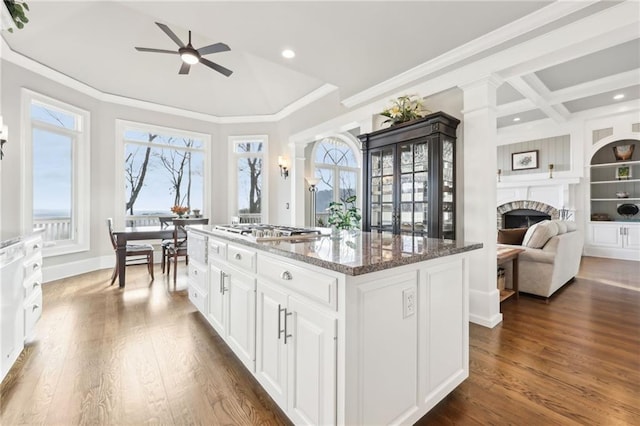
198,277
197,247
32,265
32,284
198,298
241,258
217,249
309,283
32,312
32,245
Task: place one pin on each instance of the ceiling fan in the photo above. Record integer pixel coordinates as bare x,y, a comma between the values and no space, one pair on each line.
189,55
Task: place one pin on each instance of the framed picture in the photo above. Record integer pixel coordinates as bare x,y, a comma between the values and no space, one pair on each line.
524,160
623,172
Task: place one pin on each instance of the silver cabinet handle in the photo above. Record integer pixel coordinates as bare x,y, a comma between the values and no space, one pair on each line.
34,307
35,266
621,231
36,246
286,275
36,284
280,330
237,256
286,314
223,275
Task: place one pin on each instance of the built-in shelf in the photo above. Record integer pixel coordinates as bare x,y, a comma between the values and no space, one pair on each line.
617,181
615,199
617,163
505,294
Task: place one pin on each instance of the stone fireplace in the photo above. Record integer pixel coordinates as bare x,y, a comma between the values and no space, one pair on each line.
524,213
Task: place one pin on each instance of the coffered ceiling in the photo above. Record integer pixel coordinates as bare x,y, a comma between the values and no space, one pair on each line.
362,50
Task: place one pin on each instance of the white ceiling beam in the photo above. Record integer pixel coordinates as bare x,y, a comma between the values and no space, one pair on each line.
595,87
534,90
515,107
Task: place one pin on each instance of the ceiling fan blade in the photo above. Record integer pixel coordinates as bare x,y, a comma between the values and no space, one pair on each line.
148,49
214,48
184,69
219,68
171,34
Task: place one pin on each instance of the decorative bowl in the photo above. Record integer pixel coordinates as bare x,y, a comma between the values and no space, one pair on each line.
628,210
622,194
623,152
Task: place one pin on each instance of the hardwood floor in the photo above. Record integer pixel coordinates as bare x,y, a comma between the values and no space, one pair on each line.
144,355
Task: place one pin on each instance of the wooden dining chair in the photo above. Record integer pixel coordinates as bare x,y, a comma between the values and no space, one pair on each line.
178,248
137,254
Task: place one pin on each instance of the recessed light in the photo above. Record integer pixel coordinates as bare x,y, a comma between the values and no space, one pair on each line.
288,53
619,96
516,119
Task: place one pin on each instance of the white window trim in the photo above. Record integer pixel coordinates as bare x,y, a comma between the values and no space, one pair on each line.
81,202
123,125
233,184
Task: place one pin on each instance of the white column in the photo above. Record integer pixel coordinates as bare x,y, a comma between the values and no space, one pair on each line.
480,197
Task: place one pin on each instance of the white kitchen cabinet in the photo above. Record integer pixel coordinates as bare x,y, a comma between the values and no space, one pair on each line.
296,355
619,240
32,283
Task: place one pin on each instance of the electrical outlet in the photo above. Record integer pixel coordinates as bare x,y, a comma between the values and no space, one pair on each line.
408,302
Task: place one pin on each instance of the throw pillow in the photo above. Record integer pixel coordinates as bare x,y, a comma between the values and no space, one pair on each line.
562,226
512,236
541,234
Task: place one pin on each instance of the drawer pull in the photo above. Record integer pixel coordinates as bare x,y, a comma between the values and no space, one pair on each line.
286,275
35,266
195,272
36,246
237,256
35,307
36,284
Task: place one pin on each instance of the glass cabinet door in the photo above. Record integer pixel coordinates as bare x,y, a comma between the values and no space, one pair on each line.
414,187
382,189
448,176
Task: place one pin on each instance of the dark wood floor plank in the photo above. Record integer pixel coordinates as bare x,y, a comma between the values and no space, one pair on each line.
143,354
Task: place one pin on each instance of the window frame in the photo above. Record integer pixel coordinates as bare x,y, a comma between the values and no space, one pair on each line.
233,187
81,176
335,169
124,125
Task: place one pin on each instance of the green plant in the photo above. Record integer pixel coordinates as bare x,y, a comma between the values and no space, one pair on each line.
17,11
344,216
404,108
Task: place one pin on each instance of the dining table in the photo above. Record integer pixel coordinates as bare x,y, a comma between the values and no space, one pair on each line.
132,233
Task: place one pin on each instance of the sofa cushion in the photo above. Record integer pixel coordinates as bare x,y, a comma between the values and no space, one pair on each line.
538,234
511,236
571,226
562,226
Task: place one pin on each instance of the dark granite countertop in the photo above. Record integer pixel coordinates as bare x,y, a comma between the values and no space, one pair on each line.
354,253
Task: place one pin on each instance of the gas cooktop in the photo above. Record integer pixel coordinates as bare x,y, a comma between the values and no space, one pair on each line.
261,230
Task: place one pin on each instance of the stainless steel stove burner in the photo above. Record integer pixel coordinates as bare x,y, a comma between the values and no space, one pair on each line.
260,230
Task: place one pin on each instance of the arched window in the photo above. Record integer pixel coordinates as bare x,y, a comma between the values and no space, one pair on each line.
336,165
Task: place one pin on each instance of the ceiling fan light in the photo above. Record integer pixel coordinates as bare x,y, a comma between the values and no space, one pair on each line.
189,58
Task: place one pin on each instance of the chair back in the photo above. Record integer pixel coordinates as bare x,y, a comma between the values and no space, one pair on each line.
165,221
180,233
111,236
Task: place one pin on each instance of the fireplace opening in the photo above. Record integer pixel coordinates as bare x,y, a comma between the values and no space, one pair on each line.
523,218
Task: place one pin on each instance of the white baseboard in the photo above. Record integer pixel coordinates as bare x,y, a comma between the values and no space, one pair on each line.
484,307
612,253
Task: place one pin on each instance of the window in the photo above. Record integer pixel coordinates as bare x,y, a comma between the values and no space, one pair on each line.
162,168
248,153
56,158
336,166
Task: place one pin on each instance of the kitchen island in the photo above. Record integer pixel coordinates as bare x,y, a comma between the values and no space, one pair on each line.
370,328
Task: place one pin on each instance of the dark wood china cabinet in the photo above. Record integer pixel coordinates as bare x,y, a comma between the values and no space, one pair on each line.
409,177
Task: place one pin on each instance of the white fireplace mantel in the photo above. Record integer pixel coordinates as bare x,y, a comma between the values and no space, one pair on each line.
552,191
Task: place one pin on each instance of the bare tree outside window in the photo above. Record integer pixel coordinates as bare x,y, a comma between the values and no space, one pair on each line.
249,177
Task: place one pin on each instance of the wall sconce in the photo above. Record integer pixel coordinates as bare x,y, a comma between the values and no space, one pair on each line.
283,163
550,171
313,182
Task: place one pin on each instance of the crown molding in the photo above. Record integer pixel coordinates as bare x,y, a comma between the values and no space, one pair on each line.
508,32
27,63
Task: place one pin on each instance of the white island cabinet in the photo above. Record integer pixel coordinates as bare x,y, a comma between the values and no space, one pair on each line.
369,329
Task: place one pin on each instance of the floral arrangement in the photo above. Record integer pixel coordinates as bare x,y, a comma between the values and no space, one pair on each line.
17,11
179,210
344,217
404,108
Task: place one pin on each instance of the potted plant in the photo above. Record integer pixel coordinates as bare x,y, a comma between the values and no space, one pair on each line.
17,10
344,216
404,108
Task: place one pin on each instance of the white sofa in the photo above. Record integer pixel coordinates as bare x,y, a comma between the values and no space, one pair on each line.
542,271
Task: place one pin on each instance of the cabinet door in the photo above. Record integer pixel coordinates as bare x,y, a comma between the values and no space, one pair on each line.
605,235
382,189
632,237
311,351
447,185
414,187
216,310
271,356
240,296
